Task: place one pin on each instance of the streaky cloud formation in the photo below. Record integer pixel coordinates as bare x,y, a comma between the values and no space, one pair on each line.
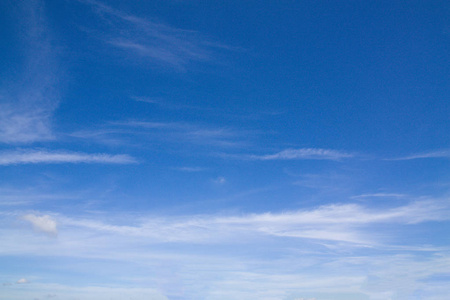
153,41
54,157
304,153
343,237
168,132
142,157
336,222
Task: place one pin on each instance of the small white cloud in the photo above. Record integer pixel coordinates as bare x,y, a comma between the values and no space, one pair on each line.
190,169
220,180
22,281
42,223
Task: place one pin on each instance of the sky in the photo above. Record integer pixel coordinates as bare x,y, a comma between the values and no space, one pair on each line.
166,149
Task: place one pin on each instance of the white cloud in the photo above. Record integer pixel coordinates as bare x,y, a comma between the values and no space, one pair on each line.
22,281
43,223
304,153
220,180
43,156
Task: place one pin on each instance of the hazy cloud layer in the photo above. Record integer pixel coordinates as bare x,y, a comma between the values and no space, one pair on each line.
340,242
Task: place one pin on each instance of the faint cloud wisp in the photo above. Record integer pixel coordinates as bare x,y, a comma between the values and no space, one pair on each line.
27,103
152,41
304,153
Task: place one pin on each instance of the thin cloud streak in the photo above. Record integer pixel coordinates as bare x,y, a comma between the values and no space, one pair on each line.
173,132
433,154
304,153
344,223
190,169
153,41
53,157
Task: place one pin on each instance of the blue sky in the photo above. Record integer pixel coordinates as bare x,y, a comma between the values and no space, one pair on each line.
294,150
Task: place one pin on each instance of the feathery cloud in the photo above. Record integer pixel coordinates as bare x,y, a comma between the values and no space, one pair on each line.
172,132
304,153
433,154
153,41
337,222
339,237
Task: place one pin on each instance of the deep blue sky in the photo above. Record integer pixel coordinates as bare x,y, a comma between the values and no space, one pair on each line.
224,150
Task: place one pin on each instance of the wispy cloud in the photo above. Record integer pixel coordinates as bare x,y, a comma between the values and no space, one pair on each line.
316,252
343,222
433,154
190,169
153,41
152,100
170,132
27,103
49,157
22,196
304,153
379,195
